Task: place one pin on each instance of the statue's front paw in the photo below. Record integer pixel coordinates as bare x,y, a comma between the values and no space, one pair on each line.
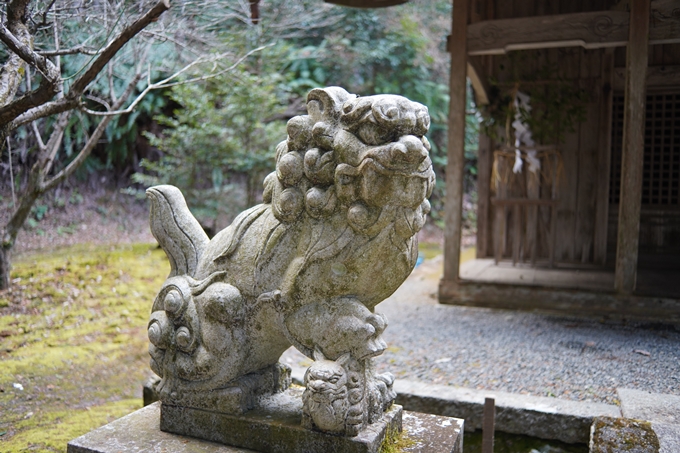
191,328
173,330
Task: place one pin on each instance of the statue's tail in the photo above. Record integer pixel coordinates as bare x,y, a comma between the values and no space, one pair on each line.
176,230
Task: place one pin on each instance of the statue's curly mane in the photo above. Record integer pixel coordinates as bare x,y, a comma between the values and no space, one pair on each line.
334,156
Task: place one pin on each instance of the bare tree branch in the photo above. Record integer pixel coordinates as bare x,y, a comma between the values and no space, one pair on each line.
44,12
72,99
45,91
49,85
11,70
83,50
167,82
50,150
91,142
41,111
38,137
114,46
101,101
45,66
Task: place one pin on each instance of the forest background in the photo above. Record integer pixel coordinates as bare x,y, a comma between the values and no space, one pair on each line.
238,74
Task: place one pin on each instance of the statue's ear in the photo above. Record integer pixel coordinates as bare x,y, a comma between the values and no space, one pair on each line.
325,104
343,359
318,355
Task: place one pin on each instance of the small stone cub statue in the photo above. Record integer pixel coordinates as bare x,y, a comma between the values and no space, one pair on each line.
325,402
338,392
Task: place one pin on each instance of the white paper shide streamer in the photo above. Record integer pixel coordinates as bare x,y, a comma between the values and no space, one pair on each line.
523,137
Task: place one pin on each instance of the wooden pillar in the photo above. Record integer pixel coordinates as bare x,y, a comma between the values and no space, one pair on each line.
633,147
456,140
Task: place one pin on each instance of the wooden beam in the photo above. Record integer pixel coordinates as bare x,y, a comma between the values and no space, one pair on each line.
591,30
523,202
657,76
456,140
479,83
633,148
559,300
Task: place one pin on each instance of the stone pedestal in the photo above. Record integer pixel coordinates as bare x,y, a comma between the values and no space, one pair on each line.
274,425
139,432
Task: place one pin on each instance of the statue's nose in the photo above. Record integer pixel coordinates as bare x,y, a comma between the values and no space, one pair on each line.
317,385
409,150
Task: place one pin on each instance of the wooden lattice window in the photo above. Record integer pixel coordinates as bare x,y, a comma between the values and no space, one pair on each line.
661,171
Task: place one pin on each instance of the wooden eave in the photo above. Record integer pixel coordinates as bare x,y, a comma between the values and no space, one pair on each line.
367,3
591,30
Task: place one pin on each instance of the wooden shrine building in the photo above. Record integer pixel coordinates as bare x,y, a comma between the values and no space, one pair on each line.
593,227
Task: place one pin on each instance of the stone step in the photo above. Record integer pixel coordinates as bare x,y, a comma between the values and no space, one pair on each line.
661,410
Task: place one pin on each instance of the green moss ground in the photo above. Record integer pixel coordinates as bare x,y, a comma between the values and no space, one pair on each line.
73,335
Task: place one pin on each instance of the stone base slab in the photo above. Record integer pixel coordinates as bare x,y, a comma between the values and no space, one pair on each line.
139,433
274,425
427,433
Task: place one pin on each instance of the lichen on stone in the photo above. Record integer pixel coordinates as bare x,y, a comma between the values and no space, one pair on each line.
622,435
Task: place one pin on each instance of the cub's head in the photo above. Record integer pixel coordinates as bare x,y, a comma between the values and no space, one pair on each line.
326,380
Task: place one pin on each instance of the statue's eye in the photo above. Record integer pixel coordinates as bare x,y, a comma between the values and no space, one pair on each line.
334,380
372,134
344,179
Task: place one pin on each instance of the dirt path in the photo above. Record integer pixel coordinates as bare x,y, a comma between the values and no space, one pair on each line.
74,216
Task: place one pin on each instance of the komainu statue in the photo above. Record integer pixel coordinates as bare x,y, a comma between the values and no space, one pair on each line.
334,236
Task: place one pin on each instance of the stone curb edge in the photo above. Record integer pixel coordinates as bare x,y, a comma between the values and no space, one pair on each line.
547,418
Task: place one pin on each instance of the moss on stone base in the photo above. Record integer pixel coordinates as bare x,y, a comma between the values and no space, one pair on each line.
395,442
621,435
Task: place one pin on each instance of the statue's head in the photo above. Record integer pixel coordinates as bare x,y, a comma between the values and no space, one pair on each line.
363,157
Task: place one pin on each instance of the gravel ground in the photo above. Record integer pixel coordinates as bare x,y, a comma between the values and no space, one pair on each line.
565,357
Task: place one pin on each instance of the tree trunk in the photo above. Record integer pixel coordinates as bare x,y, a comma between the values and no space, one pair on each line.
4,267
10,231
